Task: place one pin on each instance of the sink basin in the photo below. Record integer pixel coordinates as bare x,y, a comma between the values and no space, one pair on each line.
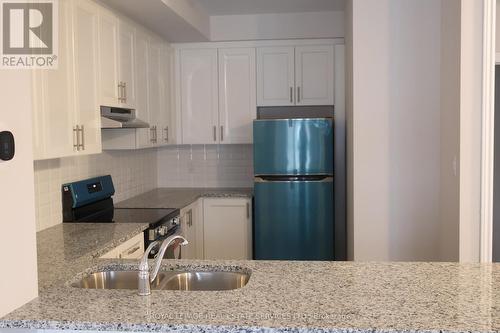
205,281
166,280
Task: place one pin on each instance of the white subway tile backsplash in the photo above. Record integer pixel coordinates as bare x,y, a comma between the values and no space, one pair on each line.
138,171
133,172
205,166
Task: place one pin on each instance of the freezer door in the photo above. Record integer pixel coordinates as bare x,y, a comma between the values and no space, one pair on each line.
293,147
294,220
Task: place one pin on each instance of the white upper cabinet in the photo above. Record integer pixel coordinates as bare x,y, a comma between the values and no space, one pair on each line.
86,66
301,75
110,89
314,75
275,76
199,96
66,120
126,43
237,96
155,110
166,117
53,121
143,135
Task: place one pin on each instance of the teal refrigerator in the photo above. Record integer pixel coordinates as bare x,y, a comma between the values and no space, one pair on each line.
294,194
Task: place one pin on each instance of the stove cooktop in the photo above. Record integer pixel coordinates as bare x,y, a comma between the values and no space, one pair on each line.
151,216
144,215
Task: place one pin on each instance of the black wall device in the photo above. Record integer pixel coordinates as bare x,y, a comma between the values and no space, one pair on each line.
7,146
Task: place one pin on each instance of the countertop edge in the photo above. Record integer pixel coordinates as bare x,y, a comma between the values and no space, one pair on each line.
201,328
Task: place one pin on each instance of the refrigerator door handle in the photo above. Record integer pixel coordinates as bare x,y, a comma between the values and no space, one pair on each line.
284,179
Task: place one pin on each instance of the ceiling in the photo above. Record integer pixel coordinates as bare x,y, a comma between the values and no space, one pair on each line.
248,7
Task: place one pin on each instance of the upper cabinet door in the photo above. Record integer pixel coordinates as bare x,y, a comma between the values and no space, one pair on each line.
237,100
166,118
143,135
314,77
199,96
85,57
154,90
127,64
53,118
275,76
110,89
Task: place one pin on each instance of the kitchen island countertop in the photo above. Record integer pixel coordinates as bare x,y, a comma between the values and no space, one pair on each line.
279,297
340,297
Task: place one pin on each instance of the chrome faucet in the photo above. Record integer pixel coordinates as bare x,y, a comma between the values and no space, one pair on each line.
145,276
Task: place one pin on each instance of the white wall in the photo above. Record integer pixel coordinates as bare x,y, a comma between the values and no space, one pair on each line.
349,127
471,78
206,166
133,172
18,281
277,26
497,34
396,129
450,130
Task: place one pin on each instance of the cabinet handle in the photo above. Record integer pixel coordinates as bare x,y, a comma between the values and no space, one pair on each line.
119,92
125,92
156,134
76,138
166,134
122,92
133,250
291,94
190,215
222,133
82,143
248,210
298,94
215,133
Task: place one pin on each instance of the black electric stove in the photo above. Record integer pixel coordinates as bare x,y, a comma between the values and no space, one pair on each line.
90,201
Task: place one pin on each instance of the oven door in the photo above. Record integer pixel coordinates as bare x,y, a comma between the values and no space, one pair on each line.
173,251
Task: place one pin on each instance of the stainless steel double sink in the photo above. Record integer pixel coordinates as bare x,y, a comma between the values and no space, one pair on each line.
166,280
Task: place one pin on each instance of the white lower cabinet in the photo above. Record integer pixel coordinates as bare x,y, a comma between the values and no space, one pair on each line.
227,228
131,249
217,228
192,230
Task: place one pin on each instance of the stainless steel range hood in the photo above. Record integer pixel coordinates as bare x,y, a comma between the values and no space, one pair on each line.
120,118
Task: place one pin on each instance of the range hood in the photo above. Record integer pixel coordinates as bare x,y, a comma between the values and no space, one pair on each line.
120,118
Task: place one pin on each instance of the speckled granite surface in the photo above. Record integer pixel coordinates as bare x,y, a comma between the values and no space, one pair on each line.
340,297
286,297
180,197
68,248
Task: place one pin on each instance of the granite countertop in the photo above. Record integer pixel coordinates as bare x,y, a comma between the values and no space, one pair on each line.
281,296
180,197
286,297
69,248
